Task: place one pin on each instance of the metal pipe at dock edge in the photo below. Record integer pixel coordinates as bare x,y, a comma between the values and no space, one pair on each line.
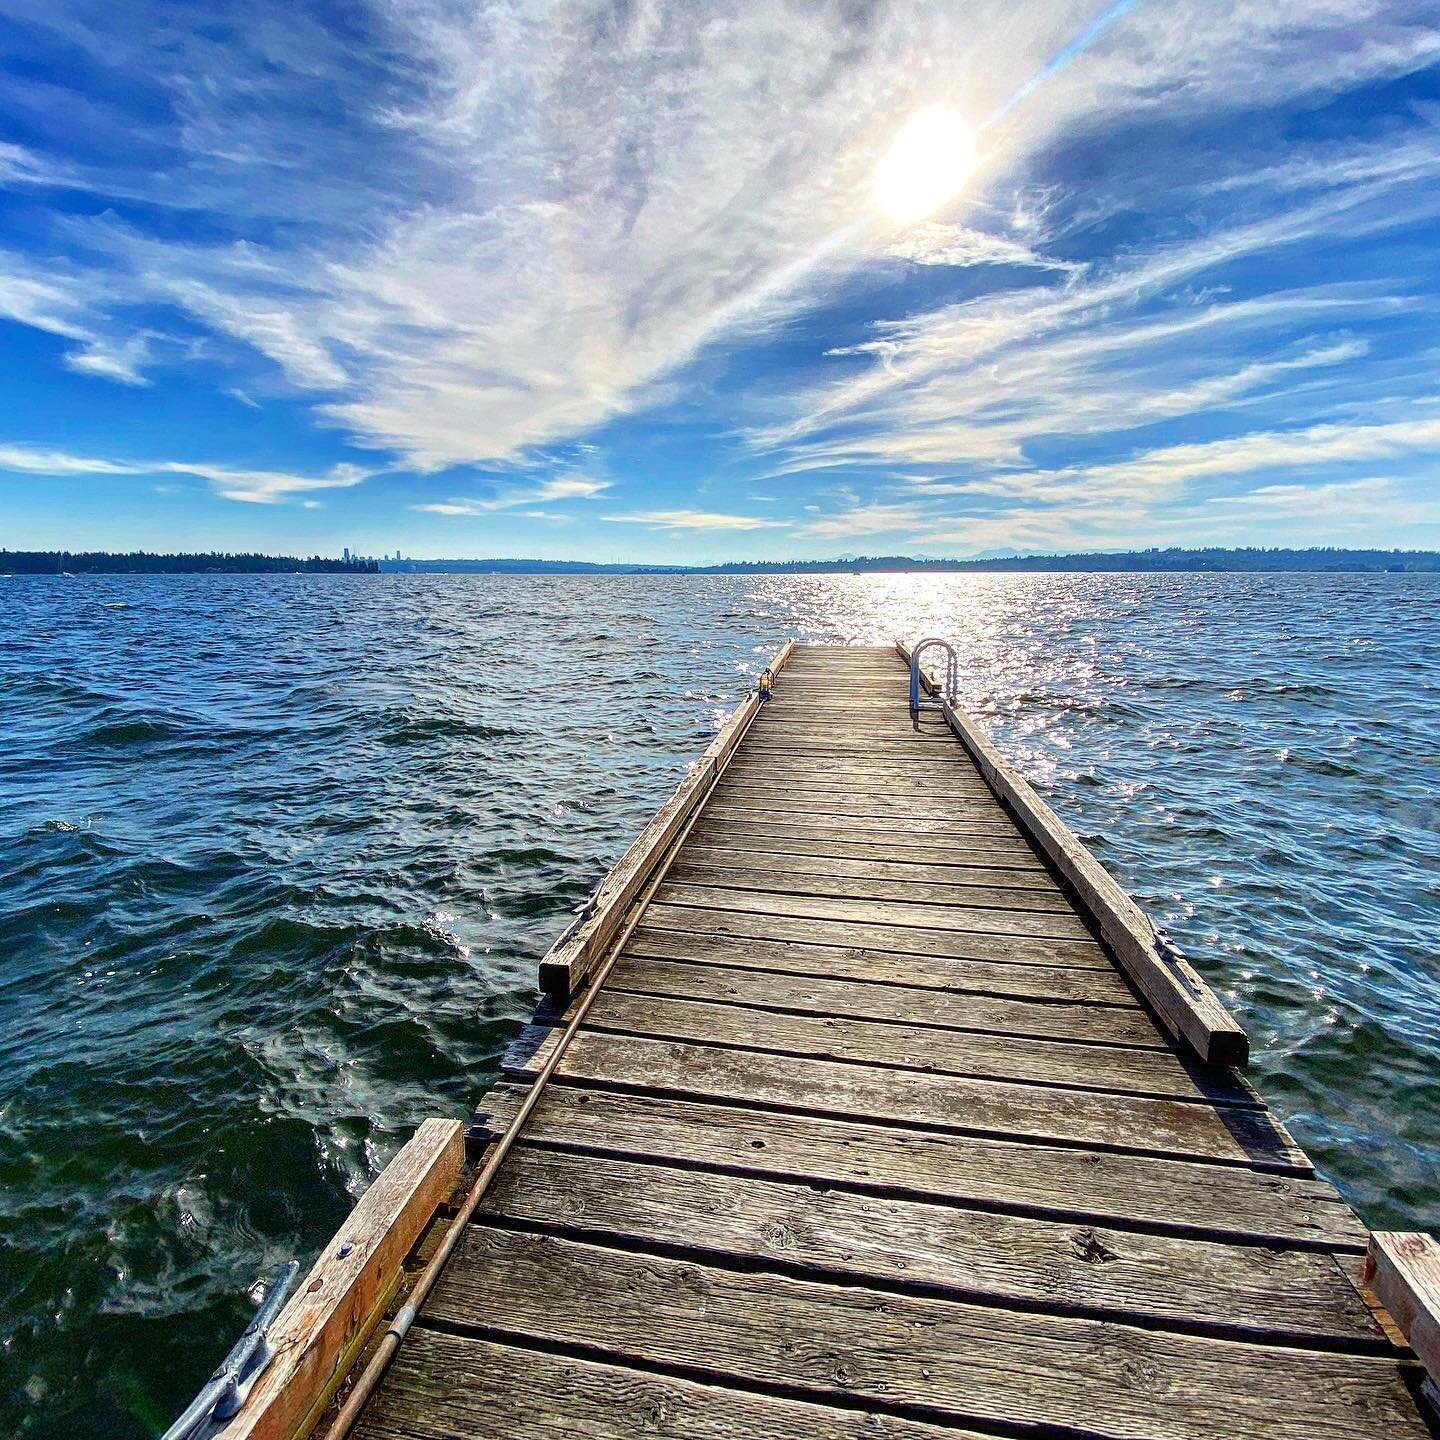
370,1377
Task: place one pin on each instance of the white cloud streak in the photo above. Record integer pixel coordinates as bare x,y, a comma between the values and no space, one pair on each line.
695,520
256,487
561,487
514,223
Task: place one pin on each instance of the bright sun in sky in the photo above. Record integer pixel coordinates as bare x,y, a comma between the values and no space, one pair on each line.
927,163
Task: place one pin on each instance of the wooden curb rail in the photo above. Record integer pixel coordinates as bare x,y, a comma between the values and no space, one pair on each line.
327,1320
570,963
1184,1003
1403,1269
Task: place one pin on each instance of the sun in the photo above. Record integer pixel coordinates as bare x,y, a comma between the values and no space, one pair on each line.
927,163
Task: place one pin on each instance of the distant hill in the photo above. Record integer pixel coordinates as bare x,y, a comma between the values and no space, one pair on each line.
1171,560
142,562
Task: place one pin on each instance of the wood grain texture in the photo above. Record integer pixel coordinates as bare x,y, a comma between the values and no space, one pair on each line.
1404,1271
328,1317
961,851
903,1005
1036,890
968,1362
854,1091
1179,1197
1203,1285
443,1387
1003,851
889,914
1181,998
880,967
763,811
902,939
919,1047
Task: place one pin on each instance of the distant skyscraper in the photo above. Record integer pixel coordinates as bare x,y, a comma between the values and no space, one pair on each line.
347,554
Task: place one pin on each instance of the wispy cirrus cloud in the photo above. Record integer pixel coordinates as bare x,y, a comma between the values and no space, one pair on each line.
696,520
506,226
560,487
1214,492
961,246
256,487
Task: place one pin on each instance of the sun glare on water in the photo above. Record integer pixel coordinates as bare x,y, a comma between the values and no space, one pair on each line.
926,165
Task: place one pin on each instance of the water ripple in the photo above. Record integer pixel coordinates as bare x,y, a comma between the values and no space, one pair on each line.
279,855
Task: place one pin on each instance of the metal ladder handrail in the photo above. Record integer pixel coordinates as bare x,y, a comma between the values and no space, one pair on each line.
948,693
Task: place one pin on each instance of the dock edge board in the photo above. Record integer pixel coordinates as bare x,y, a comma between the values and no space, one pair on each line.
328,1319
1180,998
567,967
1403,1269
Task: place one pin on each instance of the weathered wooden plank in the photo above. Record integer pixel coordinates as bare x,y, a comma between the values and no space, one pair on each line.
922,733
885,913
996,853
1174,988
899,815
898,1004
949,765
1182,1197
758,874
774,955
779,730
968,1362
929,1049
1404,1271
956,945
899,810
750,852
957,791
328,1318
1199,1285
444,1386
851,1091
958,847
739,870
862,827
829,745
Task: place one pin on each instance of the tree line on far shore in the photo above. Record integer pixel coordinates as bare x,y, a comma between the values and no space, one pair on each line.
144,562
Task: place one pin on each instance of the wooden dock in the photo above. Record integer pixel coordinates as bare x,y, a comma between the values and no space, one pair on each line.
887,1120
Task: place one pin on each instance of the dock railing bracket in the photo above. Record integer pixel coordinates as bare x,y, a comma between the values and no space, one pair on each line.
230,1386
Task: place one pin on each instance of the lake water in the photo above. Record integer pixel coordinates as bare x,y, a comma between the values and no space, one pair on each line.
278,856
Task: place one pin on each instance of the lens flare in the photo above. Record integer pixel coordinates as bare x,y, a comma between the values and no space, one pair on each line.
927,164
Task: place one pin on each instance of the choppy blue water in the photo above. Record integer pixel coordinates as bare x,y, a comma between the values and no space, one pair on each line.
278,856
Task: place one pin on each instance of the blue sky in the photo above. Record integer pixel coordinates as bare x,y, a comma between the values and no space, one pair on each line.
629,281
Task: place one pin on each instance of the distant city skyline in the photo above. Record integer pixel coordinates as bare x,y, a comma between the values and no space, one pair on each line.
697,284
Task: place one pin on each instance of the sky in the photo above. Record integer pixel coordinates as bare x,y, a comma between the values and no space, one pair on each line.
697,281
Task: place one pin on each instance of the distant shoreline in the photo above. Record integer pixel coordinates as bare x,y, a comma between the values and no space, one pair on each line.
1324,560
144,562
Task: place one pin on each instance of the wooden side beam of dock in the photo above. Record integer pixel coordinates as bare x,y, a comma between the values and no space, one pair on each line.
871,1130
